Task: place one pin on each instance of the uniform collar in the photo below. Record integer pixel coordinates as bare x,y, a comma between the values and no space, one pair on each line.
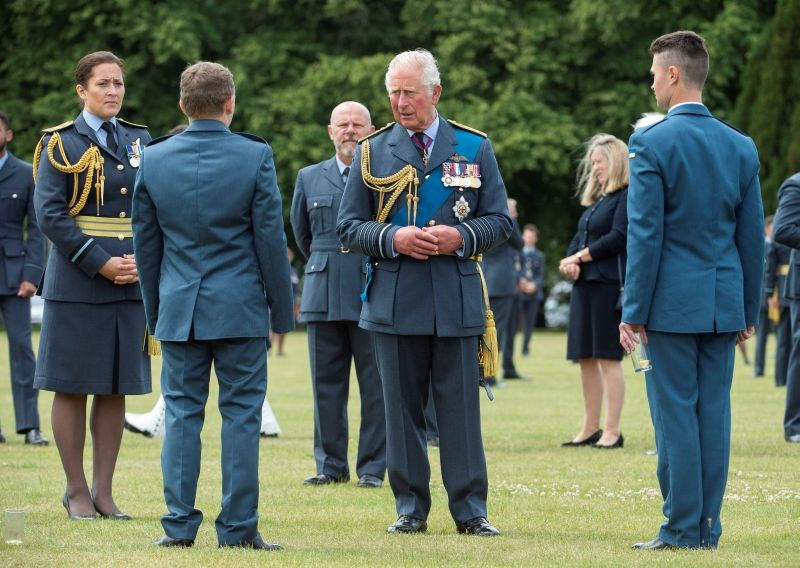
206,124
95,122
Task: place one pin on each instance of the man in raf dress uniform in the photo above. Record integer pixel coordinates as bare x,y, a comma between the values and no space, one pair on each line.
330,306
424,199
21,261
786,230
209,241
693,284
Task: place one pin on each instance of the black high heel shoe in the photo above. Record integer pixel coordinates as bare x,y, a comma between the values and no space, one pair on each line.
618,444
590,441
113,516
65,502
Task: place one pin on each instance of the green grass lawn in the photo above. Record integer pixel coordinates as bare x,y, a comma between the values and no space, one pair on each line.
567,507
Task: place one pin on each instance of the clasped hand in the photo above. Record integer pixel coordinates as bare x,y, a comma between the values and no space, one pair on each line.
569,267
121,269
428,241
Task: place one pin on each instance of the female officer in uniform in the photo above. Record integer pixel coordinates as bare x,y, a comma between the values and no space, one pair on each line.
93,326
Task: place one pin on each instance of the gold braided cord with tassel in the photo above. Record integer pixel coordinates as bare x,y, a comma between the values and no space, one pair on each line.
395,184
90,162
488,352
151,346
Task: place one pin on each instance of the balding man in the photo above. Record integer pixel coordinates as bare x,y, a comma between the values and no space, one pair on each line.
330,308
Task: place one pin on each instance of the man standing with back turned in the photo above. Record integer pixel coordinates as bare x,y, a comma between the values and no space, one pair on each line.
209,243
424,199
693,283
330,307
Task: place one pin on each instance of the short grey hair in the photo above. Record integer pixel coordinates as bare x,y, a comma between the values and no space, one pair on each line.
421,59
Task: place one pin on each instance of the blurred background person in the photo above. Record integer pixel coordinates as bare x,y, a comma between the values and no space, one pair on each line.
502,281
776,271
531,285
764,322
595,261
21,264
93,324
786,230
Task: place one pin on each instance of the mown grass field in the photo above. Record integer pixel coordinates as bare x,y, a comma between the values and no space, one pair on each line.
556,507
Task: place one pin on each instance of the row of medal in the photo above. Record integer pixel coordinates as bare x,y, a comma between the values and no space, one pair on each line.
461,175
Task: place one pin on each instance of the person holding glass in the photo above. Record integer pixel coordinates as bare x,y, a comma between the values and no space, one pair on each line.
93,327
595,261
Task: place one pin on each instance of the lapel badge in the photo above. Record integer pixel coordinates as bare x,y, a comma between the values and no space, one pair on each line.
461,209
456,158
134,152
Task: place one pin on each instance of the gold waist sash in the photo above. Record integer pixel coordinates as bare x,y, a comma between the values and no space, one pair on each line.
114,227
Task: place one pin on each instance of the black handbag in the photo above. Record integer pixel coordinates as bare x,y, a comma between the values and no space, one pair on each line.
621,297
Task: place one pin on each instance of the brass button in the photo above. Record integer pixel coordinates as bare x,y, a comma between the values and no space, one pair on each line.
315,204
122,214
427,176
121,237
120,167
431,223
13,195
312,267
124,191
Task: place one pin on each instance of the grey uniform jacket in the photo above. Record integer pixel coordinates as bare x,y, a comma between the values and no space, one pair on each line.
333,275
75,259
21,259
441,295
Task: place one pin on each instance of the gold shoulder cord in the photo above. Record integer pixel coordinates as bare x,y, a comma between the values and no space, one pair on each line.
395,184
92,160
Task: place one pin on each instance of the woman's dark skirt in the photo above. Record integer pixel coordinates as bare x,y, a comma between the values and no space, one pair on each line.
593,331
93,349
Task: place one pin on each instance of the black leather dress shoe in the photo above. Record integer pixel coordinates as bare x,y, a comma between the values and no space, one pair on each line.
325,479
257,543
478,526
618,444
34,437
407,525
65,502
655,544
167,541
368,480
590,441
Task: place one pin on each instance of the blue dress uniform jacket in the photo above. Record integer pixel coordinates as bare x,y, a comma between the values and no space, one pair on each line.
84,311
72,267
208,236
21,260
694,275
786,230
454,307
426,316
214,264
333,278
331,306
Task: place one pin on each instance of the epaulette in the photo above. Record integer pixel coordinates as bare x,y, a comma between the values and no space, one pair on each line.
368,136
252,137
467,128
61,126
159,139
731,125
127,123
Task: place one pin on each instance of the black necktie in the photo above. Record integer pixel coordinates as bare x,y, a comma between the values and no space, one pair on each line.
111,142
345,174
